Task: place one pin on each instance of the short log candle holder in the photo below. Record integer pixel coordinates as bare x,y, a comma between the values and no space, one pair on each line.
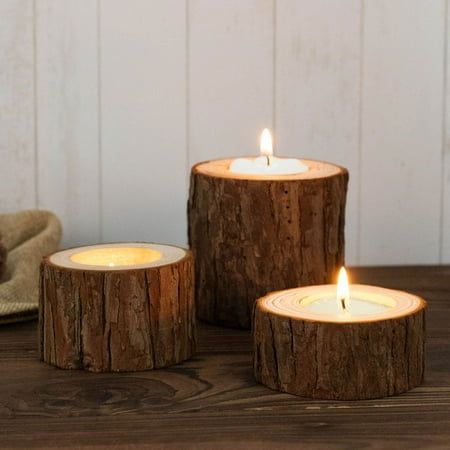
252,234
117,307
373,350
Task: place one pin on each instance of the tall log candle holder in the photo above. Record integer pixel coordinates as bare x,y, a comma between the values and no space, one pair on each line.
117,307
252,234
305,345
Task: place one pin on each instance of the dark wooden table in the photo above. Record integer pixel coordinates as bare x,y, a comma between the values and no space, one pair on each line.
212,400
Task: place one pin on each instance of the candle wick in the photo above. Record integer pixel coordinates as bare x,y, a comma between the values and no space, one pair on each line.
269,160
343,304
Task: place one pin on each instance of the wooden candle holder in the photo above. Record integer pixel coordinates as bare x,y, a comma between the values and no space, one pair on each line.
254,234
338,361
120,318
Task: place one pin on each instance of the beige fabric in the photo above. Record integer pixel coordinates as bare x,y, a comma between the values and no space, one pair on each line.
3,254
28,236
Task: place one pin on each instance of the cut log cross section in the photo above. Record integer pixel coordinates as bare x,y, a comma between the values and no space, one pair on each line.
353,359
255,234
132,314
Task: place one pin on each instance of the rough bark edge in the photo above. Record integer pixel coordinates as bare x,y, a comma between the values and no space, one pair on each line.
333,361
79,317
212,306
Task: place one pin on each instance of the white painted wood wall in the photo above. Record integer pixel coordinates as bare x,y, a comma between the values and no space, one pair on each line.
105,105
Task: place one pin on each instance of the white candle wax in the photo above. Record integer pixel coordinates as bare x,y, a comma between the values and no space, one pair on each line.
118,256
356,307
319,303
267,164
260,166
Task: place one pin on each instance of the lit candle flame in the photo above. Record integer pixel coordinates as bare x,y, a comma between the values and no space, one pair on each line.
111,264
343,291
266,146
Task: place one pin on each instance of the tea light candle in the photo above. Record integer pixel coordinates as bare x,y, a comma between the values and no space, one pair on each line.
267,164
261,225
117,307
340,343
339,306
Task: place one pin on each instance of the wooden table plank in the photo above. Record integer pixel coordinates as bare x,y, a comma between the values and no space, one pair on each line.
212,400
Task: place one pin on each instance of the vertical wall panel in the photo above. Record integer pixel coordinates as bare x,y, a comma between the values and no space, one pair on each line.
445,255
143,125
230,76
105,105
67,115
402,131
317,89
17,147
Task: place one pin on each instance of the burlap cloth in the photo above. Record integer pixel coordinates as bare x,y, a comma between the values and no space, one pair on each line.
27,237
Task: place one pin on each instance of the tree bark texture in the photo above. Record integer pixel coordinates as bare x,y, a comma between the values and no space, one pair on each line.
125,320
250,237
339,361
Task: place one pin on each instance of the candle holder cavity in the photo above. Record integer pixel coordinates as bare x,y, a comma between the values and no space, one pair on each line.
117,307
339,358
252,234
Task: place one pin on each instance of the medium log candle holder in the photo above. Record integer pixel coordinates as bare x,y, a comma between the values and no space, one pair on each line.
117,307
373,350
252,234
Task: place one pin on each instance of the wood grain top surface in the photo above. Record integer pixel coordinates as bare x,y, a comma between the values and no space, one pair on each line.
212,400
